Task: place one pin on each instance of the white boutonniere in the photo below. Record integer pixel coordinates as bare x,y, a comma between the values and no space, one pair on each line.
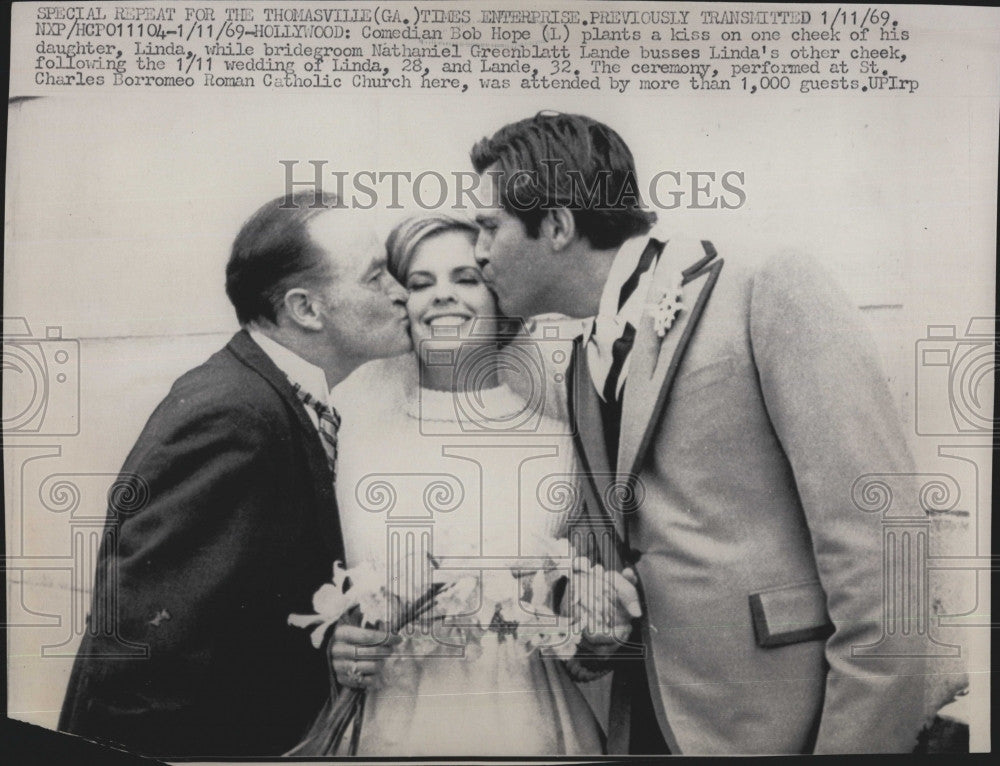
665,310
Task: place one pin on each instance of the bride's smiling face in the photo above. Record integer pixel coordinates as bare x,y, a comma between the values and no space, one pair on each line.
447,293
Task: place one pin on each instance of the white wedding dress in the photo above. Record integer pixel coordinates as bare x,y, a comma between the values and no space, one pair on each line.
479,476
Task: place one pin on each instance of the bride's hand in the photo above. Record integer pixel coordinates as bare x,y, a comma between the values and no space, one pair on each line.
354,658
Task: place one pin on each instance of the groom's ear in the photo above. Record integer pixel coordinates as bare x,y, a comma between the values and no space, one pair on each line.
302,309
560,227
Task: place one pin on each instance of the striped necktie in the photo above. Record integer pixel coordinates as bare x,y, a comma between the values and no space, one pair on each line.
328,424
622,346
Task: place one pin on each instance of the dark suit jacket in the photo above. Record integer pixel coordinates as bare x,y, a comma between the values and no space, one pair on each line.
231,525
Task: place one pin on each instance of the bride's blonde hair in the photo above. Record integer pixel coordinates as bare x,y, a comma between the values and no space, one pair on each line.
402,242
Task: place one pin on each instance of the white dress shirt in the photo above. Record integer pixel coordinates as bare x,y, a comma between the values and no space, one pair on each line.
310,378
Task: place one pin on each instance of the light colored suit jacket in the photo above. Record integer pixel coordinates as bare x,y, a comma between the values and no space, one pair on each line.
743,431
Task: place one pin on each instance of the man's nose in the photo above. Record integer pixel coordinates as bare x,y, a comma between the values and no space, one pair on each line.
397,293
479,252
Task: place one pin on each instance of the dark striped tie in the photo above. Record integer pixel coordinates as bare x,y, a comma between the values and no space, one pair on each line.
622,346
329,424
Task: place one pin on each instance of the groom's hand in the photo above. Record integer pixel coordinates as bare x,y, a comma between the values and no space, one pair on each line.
358,654
612,605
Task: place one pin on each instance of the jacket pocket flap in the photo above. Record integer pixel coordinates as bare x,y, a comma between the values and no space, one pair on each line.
790,614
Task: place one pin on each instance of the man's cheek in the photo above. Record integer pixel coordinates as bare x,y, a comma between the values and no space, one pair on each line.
498,252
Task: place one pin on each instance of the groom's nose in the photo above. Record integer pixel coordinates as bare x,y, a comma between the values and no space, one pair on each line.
479,253
483,261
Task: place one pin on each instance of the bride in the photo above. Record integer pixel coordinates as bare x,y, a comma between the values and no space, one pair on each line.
438,453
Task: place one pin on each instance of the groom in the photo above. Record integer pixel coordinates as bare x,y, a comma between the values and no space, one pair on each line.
738,400
240,524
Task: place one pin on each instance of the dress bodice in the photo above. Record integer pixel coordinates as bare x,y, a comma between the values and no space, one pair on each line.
477,470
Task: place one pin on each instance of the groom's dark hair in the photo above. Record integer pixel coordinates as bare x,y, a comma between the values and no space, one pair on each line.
273,252
557,160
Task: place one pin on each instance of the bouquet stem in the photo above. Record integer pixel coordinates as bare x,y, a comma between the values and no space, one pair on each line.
350,701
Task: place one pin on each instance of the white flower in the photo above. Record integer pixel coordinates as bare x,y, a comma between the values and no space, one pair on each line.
330,603
539,591
665,310
363,586
459,598
370,583
501,590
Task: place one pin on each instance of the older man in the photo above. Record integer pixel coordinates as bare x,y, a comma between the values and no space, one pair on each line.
240,525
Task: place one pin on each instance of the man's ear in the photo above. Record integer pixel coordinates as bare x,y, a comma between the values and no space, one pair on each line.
560,227
302,309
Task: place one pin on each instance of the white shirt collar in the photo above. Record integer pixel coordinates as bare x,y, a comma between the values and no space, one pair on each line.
311,378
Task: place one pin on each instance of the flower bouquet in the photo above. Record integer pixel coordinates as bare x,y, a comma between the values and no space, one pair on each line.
543,601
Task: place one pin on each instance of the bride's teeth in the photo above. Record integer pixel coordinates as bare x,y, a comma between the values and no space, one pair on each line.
448,321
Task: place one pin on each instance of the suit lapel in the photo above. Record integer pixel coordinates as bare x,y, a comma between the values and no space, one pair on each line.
253,356
588,433
654,361
243,347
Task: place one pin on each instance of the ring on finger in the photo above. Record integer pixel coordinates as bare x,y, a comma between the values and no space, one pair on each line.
354,674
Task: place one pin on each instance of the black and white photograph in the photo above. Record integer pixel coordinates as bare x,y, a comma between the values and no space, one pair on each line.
488,380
